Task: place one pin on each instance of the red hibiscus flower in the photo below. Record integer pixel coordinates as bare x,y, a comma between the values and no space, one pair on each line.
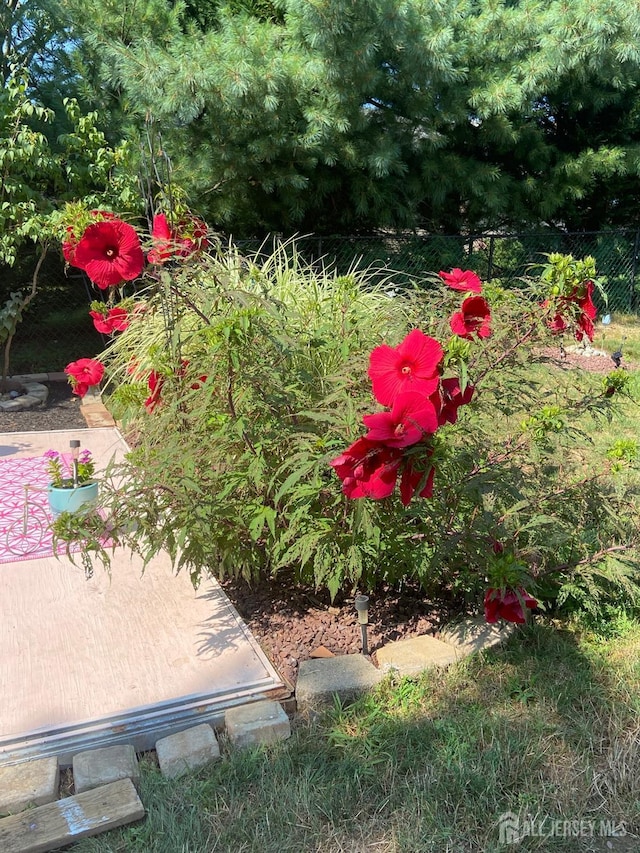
586,301
413,415
451,398
180,242
462,280
155,381
194,235
410,481
474,317
115,320
507,604
84,373
557,323
69,246
368,469
411,365
109,252
584,328
162,240
182,373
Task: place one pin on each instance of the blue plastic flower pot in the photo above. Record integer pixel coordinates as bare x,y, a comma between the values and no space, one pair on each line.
71,500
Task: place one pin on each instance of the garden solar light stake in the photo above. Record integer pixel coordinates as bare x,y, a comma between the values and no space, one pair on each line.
74,444
362,608
616,357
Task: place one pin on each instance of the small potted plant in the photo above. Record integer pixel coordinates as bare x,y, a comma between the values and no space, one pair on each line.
72,485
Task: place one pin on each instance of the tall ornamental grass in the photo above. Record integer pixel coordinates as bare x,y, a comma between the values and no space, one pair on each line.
243,378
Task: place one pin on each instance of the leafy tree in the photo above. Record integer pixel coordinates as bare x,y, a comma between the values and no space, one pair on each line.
332,115
35,182
36,39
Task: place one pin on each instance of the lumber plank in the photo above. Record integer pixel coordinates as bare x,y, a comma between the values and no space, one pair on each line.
48,827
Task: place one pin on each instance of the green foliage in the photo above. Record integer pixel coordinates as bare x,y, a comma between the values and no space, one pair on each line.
565,275
26,167
338,116
547,419
36,181
261,380
11,315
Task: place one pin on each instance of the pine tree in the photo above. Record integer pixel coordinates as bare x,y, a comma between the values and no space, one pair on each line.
345,115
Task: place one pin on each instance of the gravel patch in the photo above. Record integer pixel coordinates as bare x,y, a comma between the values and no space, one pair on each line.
61,411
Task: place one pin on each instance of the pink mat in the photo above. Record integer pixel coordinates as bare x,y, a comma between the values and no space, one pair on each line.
25,535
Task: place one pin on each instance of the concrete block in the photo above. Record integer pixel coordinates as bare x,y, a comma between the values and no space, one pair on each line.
96,767
475,634
188,750
347,676
33,783
258,722
415,655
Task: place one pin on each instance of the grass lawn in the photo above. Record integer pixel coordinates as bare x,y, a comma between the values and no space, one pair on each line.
623,331
547,726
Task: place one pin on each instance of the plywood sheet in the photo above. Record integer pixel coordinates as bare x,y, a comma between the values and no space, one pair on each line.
74,651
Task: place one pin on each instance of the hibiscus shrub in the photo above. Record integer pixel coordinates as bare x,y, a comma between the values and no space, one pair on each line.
290,420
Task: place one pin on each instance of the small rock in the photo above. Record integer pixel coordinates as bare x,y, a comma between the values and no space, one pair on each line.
321,652
259,722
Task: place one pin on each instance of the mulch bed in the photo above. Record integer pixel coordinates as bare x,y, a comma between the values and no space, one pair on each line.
572,359
291,621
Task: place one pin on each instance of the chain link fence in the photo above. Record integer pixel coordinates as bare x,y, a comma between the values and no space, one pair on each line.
57,329
402,259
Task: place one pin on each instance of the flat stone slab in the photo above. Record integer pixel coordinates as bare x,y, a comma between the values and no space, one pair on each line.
256,723
415,655
96,415
475,634
187,750
96,767
33,783
35,395
347,676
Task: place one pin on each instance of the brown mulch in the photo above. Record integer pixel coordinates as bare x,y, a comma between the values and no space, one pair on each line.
291,621
572,359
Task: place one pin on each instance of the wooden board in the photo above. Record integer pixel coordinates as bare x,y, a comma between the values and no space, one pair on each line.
65,821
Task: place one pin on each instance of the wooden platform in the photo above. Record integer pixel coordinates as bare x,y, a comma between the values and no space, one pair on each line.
121,659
